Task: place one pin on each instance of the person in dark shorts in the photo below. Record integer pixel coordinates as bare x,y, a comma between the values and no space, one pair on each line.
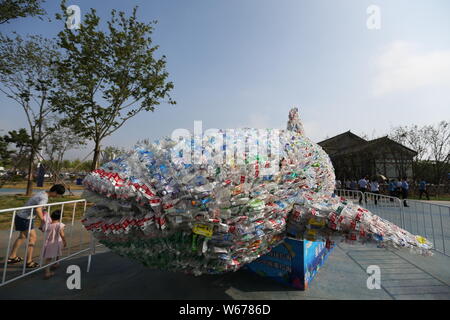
24,222
363,183
423,189
375,188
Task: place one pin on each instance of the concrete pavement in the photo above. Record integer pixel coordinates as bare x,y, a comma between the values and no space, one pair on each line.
403,276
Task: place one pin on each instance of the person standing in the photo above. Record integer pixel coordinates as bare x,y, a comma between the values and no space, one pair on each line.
375,188
54,242
405,189
398,189
423,189
348,184
24,223
363,188
391,188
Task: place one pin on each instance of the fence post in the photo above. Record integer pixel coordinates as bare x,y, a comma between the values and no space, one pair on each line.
41,259
30,222
442,230
91,252
402,215
9,246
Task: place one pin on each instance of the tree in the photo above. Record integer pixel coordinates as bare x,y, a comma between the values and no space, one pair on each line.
432,143
439,142
21,141
110,76
28,74
55,146
12,9
85,166
5,153
415,138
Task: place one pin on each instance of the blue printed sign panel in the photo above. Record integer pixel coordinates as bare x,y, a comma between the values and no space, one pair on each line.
294,262
315,256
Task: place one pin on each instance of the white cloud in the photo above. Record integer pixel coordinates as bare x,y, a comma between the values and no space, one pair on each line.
402,67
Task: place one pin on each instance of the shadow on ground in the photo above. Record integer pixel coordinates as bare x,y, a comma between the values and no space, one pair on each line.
342,277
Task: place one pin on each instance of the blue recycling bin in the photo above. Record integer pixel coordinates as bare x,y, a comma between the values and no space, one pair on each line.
294,262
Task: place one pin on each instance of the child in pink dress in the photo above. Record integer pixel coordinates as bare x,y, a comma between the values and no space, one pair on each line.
55,240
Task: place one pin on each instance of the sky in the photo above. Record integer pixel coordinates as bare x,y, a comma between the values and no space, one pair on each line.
245,63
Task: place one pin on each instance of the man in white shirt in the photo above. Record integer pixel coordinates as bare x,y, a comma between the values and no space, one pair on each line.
362,183
375,188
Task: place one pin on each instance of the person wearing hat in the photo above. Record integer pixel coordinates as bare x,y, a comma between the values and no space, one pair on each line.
23,220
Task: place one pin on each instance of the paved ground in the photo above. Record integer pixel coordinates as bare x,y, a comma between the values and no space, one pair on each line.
431,220
77,237
444,203
403,276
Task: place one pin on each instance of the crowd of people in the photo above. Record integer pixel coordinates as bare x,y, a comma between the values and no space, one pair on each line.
396,188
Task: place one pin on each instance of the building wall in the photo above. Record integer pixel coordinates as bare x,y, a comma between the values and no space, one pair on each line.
391,170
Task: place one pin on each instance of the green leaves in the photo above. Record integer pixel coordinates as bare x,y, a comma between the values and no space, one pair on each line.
28,75
5,153
20,138
109,75
12,9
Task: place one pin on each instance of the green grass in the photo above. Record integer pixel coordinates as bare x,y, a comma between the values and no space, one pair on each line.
47,185
14,201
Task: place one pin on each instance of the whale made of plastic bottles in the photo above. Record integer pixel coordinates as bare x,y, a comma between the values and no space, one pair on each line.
225,211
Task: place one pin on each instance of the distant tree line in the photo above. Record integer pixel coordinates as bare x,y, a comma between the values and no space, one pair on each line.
432,144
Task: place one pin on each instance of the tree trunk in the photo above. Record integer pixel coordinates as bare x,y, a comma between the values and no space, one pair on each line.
30,173
96,158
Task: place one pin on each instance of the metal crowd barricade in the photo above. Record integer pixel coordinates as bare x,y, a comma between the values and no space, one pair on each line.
386,207
349,194
431,221
424,218
84,247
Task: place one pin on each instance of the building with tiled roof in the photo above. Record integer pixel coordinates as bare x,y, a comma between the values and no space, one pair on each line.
354,157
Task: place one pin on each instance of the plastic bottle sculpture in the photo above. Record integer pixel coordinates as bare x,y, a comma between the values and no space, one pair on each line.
246,191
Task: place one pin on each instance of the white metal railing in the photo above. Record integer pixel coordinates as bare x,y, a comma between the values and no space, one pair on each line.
387,207
418,217
430,220
86,247
349,194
